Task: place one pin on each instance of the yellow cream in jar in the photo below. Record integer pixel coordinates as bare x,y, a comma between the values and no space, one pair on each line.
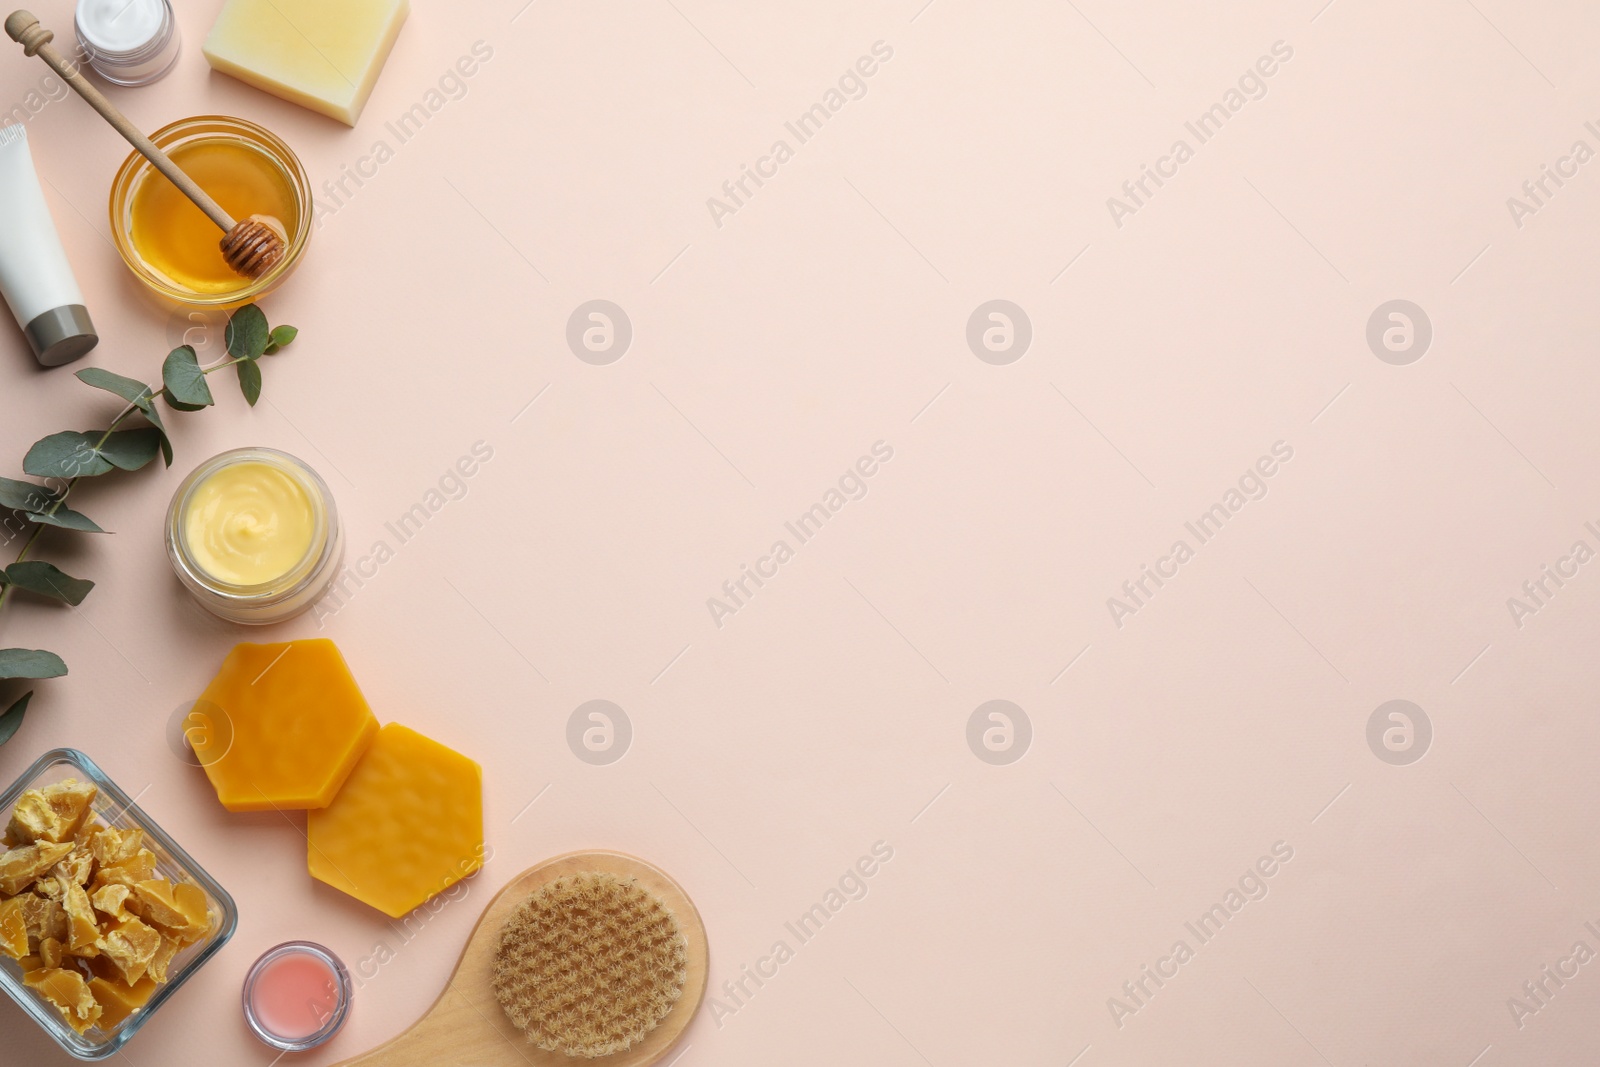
249,523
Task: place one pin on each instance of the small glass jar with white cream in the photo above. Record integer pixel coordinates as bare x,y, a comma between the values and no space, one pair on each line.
254,535
128,42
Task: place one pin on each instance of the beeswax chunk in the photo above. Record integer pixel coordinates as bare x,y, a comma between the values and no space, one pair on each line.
33,820
287,724
407,824
13,928
77,866
111,900
68,993
320,55
53,813
83,928
158,963
129,947
20,867
115,846
178,910
45,918
130,872
118,1001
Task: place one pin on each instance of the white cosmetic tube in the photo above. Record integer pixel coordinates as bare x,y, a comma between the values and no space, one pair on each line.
35,276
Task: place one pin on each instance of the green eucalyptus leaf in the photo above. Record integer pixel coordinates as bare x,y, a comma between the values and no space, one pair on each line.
11,720
281,337
150,412
185,381
247,333
76,454
68,454
30,663
66,519
249,380
47,580
131,449
24,496
134,392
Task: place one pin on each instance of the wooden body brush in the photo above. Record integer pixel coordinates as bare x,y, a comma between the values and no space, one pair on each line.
578,951
251,246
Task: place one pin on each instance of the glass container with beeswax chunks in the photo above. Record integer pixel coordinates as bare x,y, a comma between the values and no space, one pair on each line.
103,917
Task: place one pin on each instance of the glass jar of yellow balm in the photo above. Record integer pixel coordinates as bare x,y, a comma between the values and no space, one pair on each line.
171,246
254,535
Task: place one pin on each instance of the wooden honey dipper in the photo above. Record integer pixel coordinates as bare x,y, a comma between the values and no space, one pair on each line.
251,246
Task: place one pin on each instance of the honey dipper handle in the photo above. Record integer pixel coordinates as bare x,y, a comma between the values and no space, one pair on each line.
23,28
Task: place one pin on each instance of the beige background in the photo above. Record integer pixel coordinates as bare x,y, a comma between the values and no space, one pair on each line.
827,314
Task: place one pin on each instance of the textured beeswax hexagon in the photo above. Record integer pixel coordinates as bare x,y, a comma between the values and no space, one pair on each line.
280,726
407,824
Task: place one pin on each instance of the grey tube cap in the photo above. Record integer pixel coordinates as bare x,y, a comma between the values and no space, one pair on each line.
61,334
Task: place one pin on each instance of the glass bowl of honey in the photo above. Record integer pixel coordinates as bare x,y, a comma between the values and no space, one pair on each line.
171,246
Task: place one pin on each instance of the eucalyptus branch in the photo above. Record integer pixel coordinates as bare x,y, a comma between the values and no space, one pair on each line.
127,413
39,528
70,456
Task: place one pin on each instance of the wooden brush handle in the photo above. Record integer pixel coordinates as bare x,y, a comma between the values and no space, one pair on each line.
35,40
466,1024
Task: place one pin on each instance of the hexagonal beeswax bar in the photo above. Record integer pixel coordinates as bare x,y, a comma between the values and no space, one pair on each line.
281,726
407,824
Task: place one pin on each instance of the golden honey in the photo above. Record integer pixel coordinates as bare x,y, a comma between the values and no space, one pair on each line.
177,240
172,246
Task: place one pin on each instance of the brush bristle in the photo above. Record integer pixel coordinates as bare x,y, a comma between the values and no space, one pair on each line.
589,965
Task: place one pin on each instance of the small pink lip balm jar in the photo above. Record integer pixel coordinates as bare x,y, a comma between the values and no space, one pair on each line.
296,996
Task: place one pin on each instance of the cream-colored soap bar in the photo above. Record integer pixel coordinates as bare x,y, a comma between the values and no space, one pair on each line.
320,54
